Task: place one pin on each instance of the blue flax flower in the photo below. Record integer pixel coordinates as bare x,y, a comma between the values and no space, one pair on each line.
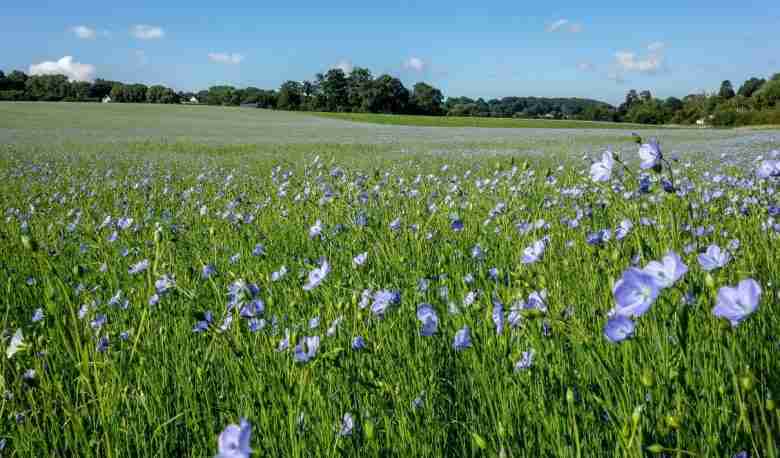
234,441
737,303
462,339
634,293
618,328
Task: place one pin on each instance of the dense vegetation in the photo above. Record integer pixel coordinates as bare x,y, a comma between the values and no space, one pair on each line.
403,299
756,101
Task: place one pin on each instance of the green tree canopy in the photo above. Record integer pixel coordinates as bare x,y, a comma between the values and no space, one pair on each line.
426,99
387,95
358,86
749,87
290,96
47,87
334,88
726,90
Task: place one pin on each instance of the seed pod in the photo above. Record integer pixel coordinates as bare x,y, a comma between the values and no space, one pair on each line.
647,378
655,448
747,382
29,243
673,422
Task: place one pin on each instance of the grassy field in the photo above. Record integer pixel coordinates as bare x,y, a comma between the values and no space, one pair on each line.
468,121
171,270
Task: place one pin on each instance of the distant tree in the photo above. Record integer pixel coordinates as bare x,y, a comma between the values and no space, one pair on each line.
235,97
183,96
250,95
318,102
358,85
170,96
726,90
307,89
739,104
673,105
16,80
101,88
426,99
311,95
118,93
154,93
267,99
724,117
648,112
768,95
458,106
386,95
221,95
161,94
632,98
749,87
335,90
597,113
79,91
47,87
135,93
290,96
483,109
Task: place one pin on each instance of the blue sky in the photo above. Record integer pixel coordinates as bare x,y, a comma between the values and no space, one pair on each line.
487,49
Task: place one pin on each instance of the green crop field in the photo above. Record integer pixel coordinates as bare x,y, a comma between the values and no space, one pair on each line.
356,289
463,121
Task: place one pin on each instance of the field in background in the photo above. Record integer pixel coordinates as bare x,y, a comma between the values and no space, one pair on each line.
154,259
471,121
179,127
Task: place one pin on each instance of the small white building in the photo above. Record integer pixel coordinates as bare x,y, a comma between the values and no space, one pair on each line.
107,99
701,122
194,100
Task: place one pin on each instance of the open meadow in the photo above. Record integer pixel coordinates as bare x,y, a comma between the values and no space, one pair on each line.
359,289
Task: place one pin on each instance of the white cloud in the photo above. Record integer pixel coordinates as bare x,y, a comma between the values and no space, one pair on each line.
75,71
225,58
557,25
628,61
345,66
564,25
147,32
414,63
84,32
586,67
656,46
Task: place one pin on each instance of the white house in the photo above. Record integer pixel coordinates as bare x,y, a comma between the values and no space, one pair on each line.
194,99
107,99
700,123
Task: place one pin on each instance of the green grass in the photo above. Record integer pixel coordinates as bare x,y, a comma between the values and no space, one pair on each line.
468,121
686,380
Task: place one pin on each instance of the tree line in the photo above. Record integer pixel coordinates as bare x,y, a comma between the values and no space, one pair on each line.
757,101
334,90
